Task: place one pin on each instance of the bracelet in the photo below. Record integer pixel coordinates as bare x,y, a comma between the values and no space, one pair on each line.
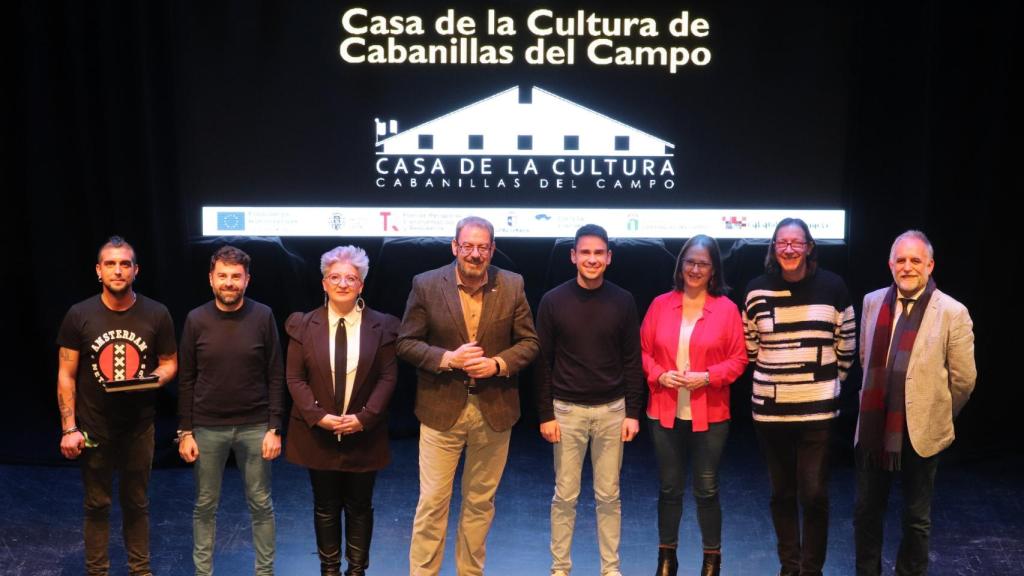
497,367
183,433
71,430
707,378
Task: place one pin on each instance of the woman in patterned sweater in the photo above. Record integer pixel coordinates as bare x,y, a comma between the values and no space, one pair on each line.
801,335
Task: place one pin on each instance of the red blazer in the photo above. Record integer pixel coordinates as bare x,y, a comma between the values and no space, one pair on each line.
308,374
716,347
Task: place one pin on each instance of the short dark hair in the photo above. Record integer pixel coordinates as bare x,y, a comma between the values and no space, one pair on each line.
591,230
474,222
115,242
716,284
771,262
228,254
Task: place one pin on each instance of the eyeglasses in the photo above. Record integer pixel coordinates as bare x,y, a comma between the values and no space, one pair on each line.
698,265
796,246
347,279
467,249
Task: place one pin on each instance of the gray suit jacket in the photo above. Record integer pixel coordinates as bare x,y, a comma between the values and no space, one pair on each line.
434,323
941,373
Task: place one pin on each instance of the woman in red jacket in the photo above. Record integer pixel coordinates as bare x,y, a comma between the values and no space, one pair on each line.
692,343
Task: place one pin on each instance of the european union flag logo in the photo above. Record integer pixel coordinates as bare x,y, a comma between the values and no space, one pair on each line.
230,220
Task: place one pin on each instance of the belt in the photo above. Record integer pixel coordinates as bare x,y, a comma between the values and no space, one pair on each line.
468,381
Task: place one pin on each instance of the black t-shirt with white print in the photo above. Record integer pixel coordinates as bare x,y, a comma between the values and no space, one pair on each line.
115,345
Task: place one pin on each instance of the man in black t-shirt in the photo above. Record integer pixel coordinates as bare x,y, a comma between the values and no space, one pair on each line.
113,337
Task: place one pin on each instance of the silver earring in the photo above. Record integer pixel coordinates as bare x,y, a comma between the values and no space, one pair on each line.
360,303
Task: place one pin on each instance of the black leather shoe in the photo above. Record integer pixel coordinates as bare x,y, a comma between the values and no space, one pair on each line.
712,564
667,563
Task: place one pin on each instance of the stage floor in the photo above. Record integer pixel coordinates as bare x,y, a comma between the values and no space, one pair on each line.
978,518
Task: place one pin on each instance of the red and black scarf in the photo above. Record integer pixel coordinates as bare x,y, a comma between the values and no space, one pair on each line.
882,403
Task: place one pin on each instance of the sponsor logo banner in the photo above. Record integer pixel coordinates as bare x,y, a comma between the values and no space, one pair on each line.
517,222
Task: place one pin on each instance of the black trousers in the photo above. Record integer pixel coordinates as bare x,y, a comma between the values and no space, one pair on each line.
797,457
129,455
917,477
335,492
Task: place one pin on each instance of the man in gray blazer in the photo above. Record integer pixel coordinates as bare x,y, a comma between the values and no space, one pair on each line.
469,331
917,351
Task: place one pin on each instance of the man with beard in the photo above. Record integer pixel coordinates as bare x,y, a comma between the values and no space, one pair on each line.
116,336
469,331
231,398
917,351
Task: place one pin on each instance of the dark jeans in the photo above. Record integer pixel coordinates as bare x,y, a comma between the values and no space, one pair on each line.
918,479
130,454
705,450
351,492
797,457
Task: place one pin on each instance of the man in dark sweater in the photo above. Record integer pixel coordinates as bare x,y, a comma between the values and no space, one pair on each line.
231,398
590,389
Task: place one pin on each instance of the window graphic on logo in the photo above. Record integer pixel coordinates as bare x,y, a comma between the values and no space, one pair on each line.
521,121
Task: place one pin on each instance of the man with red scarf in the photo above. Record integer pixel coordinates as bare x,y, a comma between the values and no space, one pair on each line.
917,351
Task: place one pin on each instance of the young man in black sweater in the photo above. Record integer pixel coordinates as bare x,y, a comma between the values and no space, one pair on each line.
590,389
231,397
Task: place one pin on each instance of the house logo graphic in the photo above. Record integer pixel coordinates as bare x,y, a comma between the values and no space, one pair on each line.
521,137
522,122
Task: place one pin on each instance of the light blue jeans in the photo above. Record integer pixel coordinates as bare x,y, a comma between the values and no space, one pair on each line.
215,442
599,426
